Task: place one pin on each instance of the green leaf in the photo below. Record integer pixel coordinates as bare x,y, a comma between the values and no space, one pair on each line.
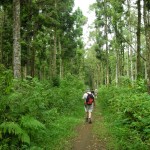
15,129
31,123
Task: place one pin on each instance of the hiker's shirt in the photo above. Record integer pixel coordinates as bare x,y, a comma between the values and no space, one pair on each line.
85,96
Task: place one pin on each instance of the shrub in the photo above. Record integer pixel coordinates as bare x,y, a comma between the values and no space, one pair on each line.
128,110
33,112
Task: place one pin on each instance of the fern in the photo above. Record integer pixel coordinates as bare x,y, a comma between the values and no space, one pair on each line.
31,123
15,129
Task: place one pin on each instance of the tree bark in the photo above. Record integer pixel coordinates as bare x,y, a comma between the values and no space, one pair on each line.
16,39
106,35
60,60
54,55
139,40
33,62
1,34
146,15
131,67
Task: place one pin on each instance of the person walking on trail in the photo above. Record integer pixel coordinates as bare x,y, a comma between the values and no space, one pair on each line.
89,103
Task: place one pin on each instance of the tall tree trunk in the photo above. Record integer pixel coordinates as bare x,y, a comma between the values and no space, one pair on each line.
1,33
117,68
145,70
28,61
139,40
122,60
54,52
62,68
146,12
102,73
130,51
117,54
131,61
128,62
16,39
60,60
106,35
33,62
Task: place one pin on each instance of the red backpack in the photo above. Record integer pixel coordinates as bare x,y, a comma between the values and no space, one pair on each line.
89,99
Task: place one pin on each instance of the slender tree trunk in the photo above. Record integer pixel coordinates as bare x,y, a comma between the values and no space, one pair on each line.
29,39
139,40
145,70
128,62
99,76
16,39
33,62
54,55
117,67
1,34
54,51
122,60
117,55
60,61
146,12
106,35
130,53
50,62
62,68
28,61
131,61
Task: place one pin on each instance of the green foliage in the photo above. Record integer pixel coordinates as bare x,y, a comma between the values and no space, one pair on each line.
56,81
37,115
30,123
13,128
125,81
5,80
127,112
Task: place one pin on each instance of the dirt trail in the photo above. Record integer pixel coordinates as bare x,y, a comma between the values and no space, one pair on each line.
86,139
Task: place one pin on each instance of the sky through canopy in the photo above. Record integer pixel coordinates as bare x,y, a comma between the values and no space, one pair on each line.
84,6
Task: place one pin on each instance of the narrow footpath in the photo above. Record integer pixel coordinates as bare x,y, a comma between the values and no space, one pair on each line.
89,136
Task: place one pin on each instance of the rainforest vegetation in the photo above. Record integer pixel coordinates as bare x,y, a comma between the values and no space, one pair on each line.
45,67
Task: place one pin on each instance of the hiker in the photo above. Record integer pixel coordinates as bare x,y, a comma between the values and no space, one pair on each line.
88,105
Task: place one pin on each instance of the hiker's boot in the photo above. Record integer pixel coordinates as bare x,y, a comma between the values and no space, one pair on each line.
90,121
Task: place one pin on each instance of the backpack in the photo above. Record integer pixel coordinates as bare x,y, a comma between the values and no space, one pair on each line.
89,99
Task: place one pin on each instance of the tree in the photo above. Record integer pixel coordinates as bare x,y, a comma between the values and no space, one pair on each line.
139,40
1,31
146,12
16,39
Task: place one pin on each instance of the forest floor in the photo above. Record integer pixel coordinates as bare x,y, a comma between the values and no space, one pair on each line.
92,136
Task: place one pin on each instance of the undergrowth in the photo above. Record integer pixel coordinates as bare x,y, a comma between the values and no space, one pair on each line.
38,115
127,115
